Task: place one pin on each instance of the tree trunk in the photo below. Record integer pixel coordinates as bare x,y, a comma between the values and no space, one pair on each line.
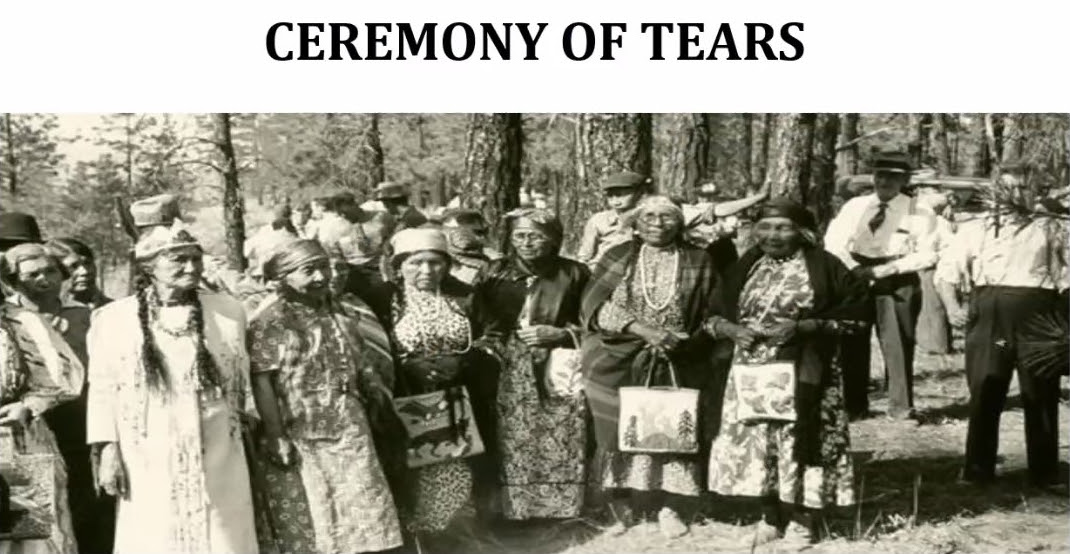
789,163
1012,138
769,122
824,171
691,157
233,205
9,153
373,142
849,156
494,167
748,151
943,148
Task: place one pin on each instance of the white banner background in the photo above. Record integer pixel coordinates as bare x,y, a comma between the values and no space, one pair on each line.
200,56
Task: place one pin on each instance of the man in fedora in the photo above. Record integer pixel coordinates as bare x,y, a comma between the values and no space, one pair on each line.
885,238
17,228
395,198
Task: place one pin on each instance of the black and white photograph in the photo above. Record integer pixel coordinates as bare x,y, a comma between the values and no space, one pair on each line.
534,332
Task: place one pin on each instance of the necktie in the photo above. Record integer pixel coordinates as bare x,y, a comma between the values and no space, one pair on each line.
878,218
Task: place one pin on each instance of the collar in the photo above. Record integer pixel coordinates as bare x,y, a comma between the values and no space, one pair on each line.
20,300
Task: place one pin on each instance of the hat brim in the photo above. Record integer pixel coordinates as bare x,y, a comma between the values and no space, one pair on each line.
897,170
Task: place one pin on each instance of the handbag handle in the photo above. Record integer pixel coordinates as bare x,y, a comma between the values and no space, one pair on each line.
672,370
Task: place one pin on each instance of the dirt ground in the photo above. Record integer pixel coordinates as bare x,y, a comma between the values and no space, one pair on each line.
911,500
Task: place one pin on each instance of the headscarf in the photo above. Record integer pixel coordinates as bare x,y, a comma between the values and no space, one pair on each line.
796,212
658,202
161,239
9,268
408,241
544,221
292,255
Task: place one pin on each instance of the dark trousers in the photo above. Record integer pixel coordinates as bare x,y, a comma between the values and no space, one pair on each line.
897,301
992,334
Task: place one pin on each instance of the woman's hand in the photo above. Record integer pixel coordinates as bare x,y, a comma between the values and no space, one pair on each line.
782,332
111,476
541,335
740,335
280,451
657,338
15,413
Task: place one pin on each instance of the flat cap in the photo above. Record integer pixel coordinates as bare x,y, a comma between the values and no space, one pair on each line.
624,179
155,210
387,190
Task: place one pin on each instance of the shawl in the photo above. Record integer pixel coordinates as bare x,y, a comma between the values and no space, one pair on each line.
838,296
611,360
555,300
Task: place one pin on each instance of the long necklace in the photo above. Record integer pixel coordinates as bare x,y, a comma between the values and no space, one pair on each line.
644,285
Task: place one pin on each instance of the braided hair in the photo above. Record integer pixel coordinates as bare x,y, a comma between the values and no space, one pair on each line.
151,362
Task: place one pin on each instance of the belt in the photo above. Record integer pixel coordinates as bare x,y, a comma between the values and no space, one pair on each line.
870,262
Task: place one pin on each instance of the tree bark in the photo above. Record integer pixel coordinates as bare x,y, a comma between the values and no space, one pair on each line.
789,166
494,167
769,122
748,151
12,160
233,205
943,147
373,142
849,156
824,171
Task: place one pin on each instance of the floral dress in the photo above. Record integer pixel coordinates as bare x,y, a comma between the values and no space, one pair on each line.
755,459
542,442
658,305
335,498
429,324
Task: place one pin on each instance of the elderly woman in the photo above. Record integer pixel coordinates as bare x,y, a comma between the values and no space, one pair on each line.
432,324
312,367
164,406
35,273
647,296
29,344
785,301
535,295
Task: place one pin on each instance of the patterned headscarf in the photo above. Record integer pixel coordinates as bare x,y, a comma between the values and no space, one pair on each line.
291,256
544,221
796,212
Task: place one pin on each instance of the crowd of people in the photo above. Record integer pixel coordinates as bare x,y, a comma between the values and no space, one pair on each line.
284,408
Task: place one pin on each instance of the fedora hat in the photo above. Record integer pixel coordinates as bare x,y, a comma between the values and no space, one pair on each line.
18,228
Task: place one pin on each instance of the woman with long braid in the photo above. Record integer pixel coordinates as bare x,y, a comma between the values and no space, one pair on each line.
167,375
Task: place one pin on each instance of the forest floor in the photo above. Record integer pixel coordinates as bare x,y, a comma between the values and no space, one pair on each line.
910,498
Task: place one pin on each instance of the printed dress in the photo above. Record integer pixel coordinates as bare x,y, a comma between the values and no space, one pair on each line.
542,442
755,459
335,498
658,305
430,324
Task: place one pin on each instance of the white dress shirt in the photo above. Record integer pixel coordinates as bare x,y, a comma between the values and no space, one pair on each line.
1025,254
908,233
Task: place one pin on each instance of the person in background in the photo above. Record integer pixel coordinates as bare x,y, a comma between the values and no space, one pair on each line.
395,197
35,275
649,295
467,253
535,296
362,238
934,329
608,228
81,265
474,223
885,238
316,208
313,371
164,406
299,218
260,246
786,300
16,228
1015,267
